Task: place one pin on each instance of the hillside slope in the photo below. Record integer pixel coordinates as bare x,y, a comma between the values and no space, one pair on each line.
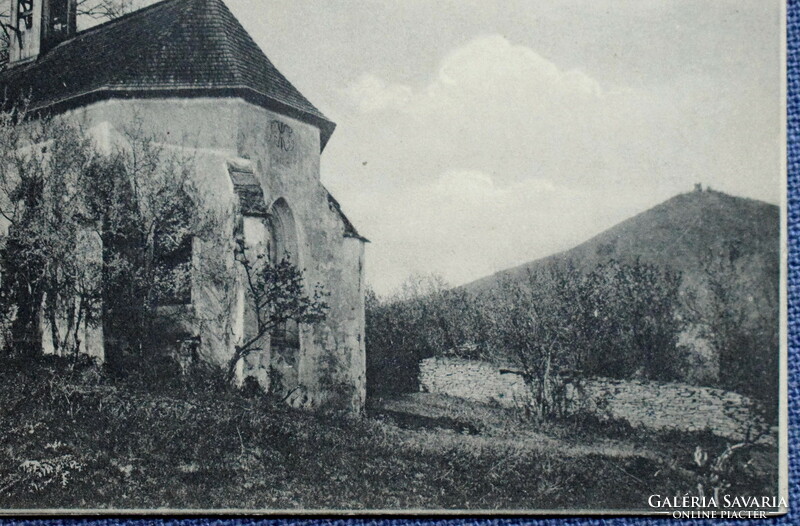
727,250
677,234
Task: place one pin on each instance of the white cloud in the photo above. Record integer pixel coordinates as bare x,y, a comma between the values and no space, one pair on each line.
370,93
491,65
503,157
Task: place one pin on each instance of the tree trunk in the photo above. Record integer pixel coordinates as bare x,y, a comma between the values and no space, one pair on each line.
51,314
543,394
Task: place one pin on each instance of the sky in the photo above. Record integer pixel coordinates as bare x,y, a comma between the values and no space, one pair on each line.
477,135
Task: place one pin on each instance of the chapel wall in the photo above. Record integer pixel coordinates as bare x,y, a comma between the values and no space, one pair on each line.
202,131
284,154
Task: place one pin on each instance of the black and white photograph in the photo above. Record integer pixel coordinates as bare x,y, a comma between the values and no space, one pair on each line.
439,257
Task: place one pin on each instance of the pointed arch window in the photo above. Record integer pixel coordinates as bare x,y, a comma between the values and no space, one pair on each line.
282,245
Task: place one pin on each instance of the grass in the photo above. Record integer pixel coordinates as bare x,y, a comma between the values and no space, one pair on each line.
72,437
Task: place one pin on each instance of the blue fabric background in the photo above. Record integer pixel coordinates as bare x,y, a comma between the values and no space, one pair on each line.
793,29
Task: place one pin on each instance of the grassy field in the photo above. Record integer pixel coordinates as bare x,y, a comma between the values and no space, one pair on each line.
74,438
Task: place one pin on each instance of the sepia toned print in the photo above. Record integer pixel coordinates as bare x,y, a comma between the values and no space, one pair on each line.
551,279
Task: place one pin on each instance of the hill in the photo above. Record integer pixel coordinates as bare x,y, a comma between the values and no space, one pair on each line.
727,250
677,234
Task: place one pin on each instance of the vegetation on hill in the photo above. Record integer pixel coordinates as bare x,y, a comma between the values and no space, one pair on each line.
698,273
619,321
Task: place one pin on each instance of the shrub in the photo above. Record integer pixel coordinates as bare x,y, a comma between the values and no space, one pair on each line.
739,316
619,320
628,322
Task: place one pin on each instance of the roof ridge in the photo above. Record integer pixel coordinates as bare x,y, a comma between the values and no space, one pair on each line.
241,66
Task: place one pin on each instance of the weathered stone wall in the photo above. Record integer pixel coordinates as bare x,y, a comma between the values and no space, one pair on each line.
472,380
331,364
651,405
668,406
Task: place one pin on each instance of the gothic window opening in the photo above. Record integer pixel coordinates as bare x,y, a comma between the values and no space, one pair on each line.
286,335
285,338
24,15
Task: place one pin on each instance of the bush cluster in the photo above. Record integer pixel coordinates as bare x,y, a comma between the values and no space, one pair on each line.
619,320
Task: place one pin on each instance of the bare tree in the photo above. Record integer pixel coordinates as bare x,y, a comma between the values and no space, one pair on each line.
532,326
143,199
558,324
277,294
630,322
108,9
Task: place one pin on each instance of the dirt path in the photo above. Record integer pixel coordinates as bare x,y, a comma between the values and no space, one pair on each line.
441,421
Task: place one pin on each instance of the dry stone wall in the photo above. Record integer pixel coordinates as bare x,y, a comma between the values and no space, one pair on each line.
650,405
668,406
472,380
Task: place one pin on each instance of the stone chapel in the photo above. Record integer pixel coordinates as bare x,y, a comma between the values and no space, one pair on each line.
189,72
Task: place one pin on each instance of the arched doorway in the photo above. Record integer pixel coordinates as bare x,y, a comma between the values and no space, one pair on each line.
284,339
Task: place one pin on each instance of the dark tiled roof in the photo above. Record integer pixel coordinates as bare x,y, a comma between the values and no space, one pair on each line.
172,48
